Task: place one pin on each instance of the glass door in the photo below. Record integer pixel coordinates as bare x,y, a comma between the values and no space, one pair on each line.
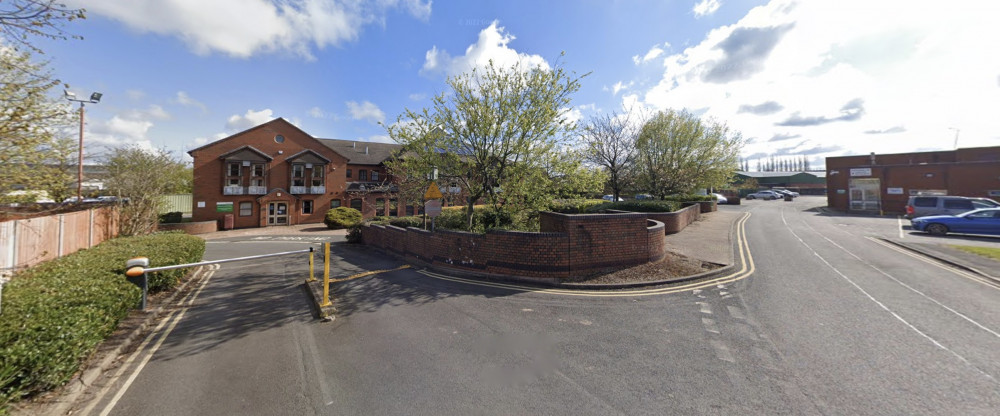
277,213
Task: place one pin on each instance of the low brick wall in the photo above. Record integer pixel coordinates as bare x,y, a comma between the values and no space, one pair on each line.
706,206
200,227
674,222
568,246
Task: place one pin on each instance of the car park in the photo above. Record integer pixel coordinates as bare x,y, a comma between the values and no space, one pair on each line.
766,195
980,221
921,206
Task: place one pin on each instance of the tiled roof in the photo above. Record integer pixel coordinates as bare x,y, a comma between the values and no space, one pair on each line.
362,153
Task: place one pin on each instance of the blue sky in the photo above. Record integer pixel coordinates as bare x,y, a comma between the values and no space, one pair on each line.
815,78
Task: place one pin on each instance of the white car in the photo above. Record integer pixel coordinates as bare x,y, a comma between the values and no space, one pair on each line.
720,199
612,198
765,195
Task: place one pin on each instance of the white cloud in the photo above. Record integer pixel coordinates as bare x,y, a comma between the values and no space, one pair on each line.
619,87
925,69
243,28
365,111
652,54
491,45
237,123
135,95
316,112
417,97
705,7
184,99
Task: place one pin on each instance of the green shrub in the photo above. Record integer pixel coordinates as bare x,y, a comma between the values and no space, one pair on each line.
638,206
404,222
573,206
171,217
342,217
56,313
354,234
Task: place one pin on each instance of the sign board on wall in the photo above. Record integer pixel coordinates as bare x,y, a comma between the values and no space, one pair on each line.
201,204
223,207
861,171
841,191
993,193
894,191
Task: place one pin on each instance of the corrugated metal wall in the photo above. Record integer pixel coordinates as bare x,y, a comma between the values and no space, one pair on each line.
177,203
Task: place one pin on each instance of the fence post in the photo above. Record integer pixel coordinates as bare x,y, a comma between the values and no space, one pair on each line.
326,275
312,276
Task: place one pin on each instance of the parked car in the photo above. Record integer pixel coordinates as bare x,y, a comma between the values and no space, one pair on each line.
643,196
612,198
765,195
922,206
793,194
720,199
980,221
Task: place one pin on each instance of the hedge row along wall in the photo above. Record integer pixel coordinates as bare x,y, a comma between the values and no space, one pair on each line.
567,246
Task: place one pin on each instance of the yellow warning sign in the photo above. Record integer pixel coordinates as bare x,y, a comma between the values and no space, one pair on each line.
433,192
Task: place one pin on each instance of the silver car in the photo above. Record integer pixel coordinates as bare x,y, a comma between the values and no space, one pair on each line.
765,195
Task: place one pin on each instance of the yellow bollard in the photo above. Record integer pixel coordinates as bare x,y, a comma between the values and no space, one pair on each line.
312,276
326,275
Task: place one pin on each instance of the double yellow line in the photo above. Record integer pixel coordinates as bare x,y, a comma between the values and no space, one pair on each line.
746,269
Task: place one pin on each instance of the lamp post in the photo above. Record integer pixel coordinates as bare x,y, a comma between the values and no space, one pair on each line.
957,130
94,99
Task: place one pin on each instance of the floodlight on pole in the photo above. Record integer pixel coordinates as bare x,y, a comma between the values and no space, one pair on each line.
94,99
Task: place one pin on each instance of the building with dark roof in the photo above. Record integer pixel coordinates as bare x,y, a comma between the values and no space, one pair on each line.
805,183
277,174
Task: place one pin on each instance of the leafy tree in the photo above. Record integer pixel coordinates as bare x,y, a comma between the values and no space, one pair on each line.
569,177
21,20
141,177
493,134
34,151
610,143
679,153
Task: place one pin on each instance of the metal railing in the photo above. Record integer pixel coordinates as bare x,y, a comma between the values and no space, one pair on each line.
136,268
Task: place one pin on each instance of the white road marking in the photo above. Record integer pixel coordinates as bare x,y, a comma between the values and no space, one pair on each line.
173,319
710,325
722,351
736,312
705,307
899,220
880,304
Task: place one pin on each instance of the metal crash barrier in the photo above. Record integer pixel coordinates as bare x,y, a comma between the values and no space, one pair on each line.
137,270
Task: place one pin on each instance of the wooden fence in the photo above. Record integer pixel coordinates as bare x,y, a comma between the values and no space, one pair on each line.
27,242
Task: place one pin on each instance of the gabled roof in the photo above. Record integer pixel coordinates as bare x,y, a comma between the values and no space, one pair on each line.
362,153
246,147
308,151
278,120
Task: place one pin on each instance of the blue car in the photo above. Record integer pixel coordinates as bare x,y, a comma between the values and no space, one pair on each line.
980,221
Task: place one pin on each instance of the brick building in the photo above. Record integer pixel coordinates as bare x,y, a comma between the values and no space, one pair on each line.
277,174
883,183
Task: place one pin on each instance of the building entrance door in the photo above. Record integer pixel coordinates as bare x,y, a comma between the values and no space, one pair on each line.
277,213
866,194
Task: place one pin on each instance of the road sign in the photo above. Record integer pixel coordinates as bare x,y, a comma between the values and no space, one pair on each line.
432,208
433,192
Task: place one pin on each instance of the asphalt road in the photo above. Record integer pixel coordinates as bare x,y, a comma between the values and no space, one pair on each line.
826,319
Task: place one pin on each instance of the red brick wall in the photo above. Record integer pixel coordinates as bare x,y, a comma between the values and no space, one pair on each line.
674,222
591,244
191,227
209,171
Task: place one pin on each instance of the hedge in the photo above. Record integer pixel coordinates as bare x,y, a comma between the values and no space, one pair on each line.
341,217
55,314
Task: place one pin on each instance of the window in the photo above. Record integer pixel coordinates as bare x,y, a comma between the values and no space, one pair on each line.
246,209
307,207
374,176
233,181
317,175
298,175
258,170
380,206
279,139
958,204
334,203
393,210
234,169
356,204
348,174
257,182
362,175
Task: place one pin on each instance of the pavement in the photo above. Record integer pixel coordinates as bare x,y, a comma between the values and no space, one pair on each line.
946,253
